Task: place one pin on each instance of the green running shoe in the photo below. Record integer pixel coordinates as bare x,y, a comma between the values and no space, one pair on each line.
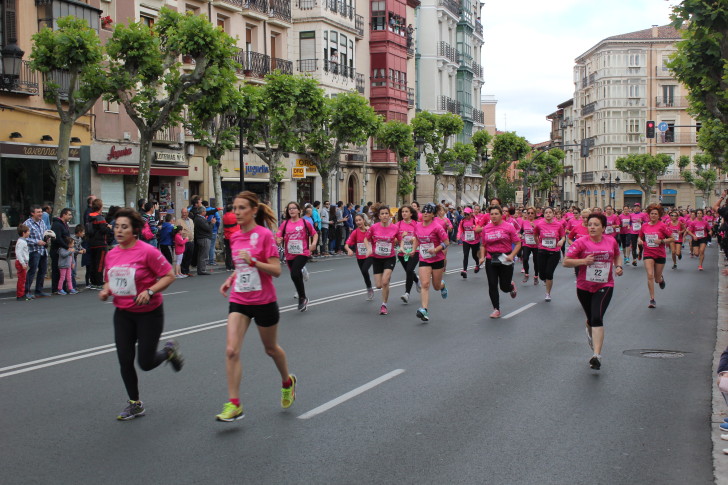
230,412
133,410
443,291
288,395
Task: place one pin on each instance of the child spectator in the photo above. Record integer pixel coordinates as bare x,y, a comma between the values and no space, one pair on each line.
65,265
79,233
22,255
179,251
166,240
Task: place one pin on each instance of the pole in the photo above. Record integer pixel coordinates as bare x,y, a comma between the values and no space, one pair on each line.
242,152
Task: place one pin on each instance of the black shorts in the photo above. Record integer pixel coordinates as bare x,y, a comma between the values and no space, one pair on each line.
264,315
433,265
697,242
380,264
657,260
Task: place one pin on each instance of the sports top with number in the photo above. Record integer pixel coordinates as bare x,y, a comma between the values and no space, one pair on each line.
529,238
499,238
482,219
676,230
466,231
383,240
429,237
637,220
625,222
250,285
295,240
406,234
699,228
357,244
579,232
598,275
548,235
613,224
133,270
649,234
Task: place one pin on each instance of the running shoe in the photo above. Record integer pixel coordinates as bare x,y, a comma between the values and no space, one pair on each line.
626,260
589,339
61,292
423,315
304,272
383,310
230,412
418,286
679,256
514,290
724,427
674,266
41,294
173,355
523,270
535,281
133,410
476,270
443,291
302,304
662,283
634,263
370,294
73,292
288,394
295,296
700,268
652,304
464,274
548,298
525,278
595,363
405,298
495,314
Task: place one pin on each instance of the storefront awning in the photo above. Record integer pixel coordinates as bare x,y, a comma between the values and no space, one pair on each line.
118,169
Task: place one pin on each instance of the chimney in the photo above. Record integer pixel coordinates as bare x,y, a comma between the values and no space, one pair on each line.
655,32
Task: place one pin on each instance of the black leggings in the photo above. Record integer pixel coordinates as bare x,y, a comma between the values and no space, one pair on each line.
364,265
474,250
296,265
635,247
498,275
143,329
527,251
410,270
595,304
547,263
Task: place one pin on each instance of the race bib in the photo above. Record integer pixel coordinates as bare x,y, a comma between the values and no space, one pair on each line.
636,226
361,249
247,279
699,234
295,246
609,230
425,249
469,235
598,272
625,222
651,240
122,282
383,248
549,242
676,235
529,239
407,243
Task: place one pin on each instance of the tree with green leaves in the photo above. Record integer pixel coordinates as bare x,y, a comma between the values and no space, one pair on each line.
504,188
701,64
74,51
397,137
507,147
460,158
281,114
543,169
145,75
645,169
703,176
436,130
349,120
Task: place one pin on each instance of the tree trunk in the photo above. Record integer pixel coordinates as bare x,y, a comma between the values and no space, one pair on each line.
217,184
325,184
145,164
61,168
459,182
436,189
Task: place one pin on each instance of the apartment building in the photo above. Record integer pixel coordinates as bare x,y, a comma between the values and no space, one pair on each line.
620,83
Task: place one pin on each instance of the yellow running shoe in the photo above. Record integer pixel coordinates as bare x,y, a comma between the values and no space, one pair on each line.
230,412
288,395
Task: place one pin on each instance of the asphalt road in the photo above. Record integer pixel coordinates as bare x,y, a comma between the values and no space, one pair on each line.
461,399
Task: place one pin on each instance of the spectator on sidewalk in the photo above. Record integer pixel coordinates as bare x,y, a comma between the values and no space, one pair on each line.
88,210
65,266
38,254
316,224
188,232
21,262
48,215
166,241
99,233
324,216
213,217
149,216
60,227
79,234
229,227
203,237
179,251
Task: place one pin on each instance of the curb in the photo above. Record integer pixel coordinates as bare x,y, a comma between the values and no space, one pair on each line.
720,411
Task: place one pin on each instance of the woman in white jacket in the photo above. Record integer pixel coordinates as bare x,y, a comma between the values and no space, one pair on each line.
22,256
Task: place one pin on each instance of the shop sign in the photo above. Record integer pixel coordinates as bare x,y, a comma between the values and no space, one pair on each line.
298,172
169,157
255,170
36,151
115,154
308,164
107,152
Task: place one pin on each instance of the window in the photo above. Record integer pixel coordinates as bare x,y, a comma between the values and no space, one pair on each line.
633,60
633,91
379,15
668,95
111,106
633,126
307,47
192,9
108,8
222,22
49,12
148,21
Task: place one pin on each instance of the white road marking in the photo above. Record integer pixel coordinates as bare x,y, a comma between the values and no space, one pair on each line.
163,294
522,309
322,271
351,394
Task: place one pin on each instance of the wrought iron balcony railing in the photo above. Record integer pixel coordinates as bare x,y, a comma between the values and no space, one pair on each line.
451,5
360,83
61,79
359,25
478,116
447,51
446,103
410,97
307,65
589,109
671,102
280,9
25,83
477,70
284,66
253,63
234,3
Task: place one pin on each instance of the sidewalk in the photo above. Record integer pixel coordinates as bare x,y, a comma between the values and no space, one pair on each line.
7,290
720,409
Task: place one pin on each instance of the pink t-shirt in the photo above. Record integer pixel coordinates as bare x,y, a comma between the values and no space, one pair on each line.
599,274
133,270
383,240
296,238
251,286
548,235
356,243
651,232
466,231
676,230
482,219
625,221
578,232
406,234
529,238
499,238
429,237
179,244
612,228
637,221
699,228
445,222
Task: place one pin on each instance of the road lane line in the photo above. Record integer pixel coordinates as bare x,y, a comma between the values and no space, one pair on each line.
522,309
351,394
322,271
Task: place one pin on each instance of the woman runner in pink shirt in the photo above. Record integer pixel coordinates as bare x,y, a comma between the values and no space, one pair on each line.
550,236
699,229
529,245
468,234
594,257
381,241
406,221
677,229
356,241
298,236
624,232
652,237
430,241
253,297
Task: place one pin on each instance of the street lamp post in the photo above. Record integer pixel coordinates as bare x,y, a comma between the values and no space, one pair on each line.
606,181
484,159
419,147
244,124
12,60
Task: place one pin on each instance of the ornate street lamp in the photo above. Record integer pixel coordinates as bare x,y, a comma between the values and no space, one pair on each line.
12,61
484,157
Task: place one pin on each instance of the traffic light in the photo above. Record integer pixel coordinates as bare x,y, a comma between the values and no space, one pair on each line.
650,129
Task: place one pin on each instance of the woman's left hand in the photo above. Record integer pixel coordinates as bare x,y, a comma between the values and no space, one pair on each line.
142,298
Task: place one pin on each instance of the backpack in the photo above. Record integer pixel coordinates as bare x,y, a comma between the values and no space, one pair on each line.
308,232
147,233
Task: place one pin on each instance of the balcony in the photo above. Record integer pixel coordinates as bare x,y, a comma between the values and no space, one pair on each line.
257,5
235,4
478,116
410,97
445,103
450,5
477,70
592,78
676,138
479,28
25,83
671,102
253,64
339,69
447,51
170,135
60,78
589,108
340,7
662,71
282,65
306,4
587,177
360,83
307,65
280,10
359,25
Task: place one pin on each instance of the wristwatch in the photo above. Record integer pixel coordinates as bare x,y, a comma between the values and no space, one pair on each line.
150,292
253,261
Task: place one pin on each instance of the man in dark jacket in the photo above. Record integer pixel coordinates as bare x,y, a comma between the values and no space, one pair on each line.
203,238
98,232
60,227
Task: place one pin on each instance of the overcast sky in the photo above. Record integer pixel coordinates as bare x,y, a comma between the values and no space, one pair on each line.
530,47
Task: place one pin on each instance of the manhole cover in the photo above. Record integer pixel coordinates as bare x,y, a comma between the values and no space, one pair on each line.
655,354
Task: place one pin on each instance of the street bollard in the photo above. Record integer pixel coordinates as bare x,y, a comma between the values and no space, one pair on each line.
2,277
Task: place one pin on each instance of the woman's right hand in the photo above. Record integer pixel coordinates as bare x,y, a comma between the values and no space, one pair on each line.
226,285
104,294
349,252
589,260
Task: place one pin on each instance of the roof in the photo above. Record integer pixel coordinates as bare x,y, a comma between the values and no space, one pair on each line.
663,32
566,104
